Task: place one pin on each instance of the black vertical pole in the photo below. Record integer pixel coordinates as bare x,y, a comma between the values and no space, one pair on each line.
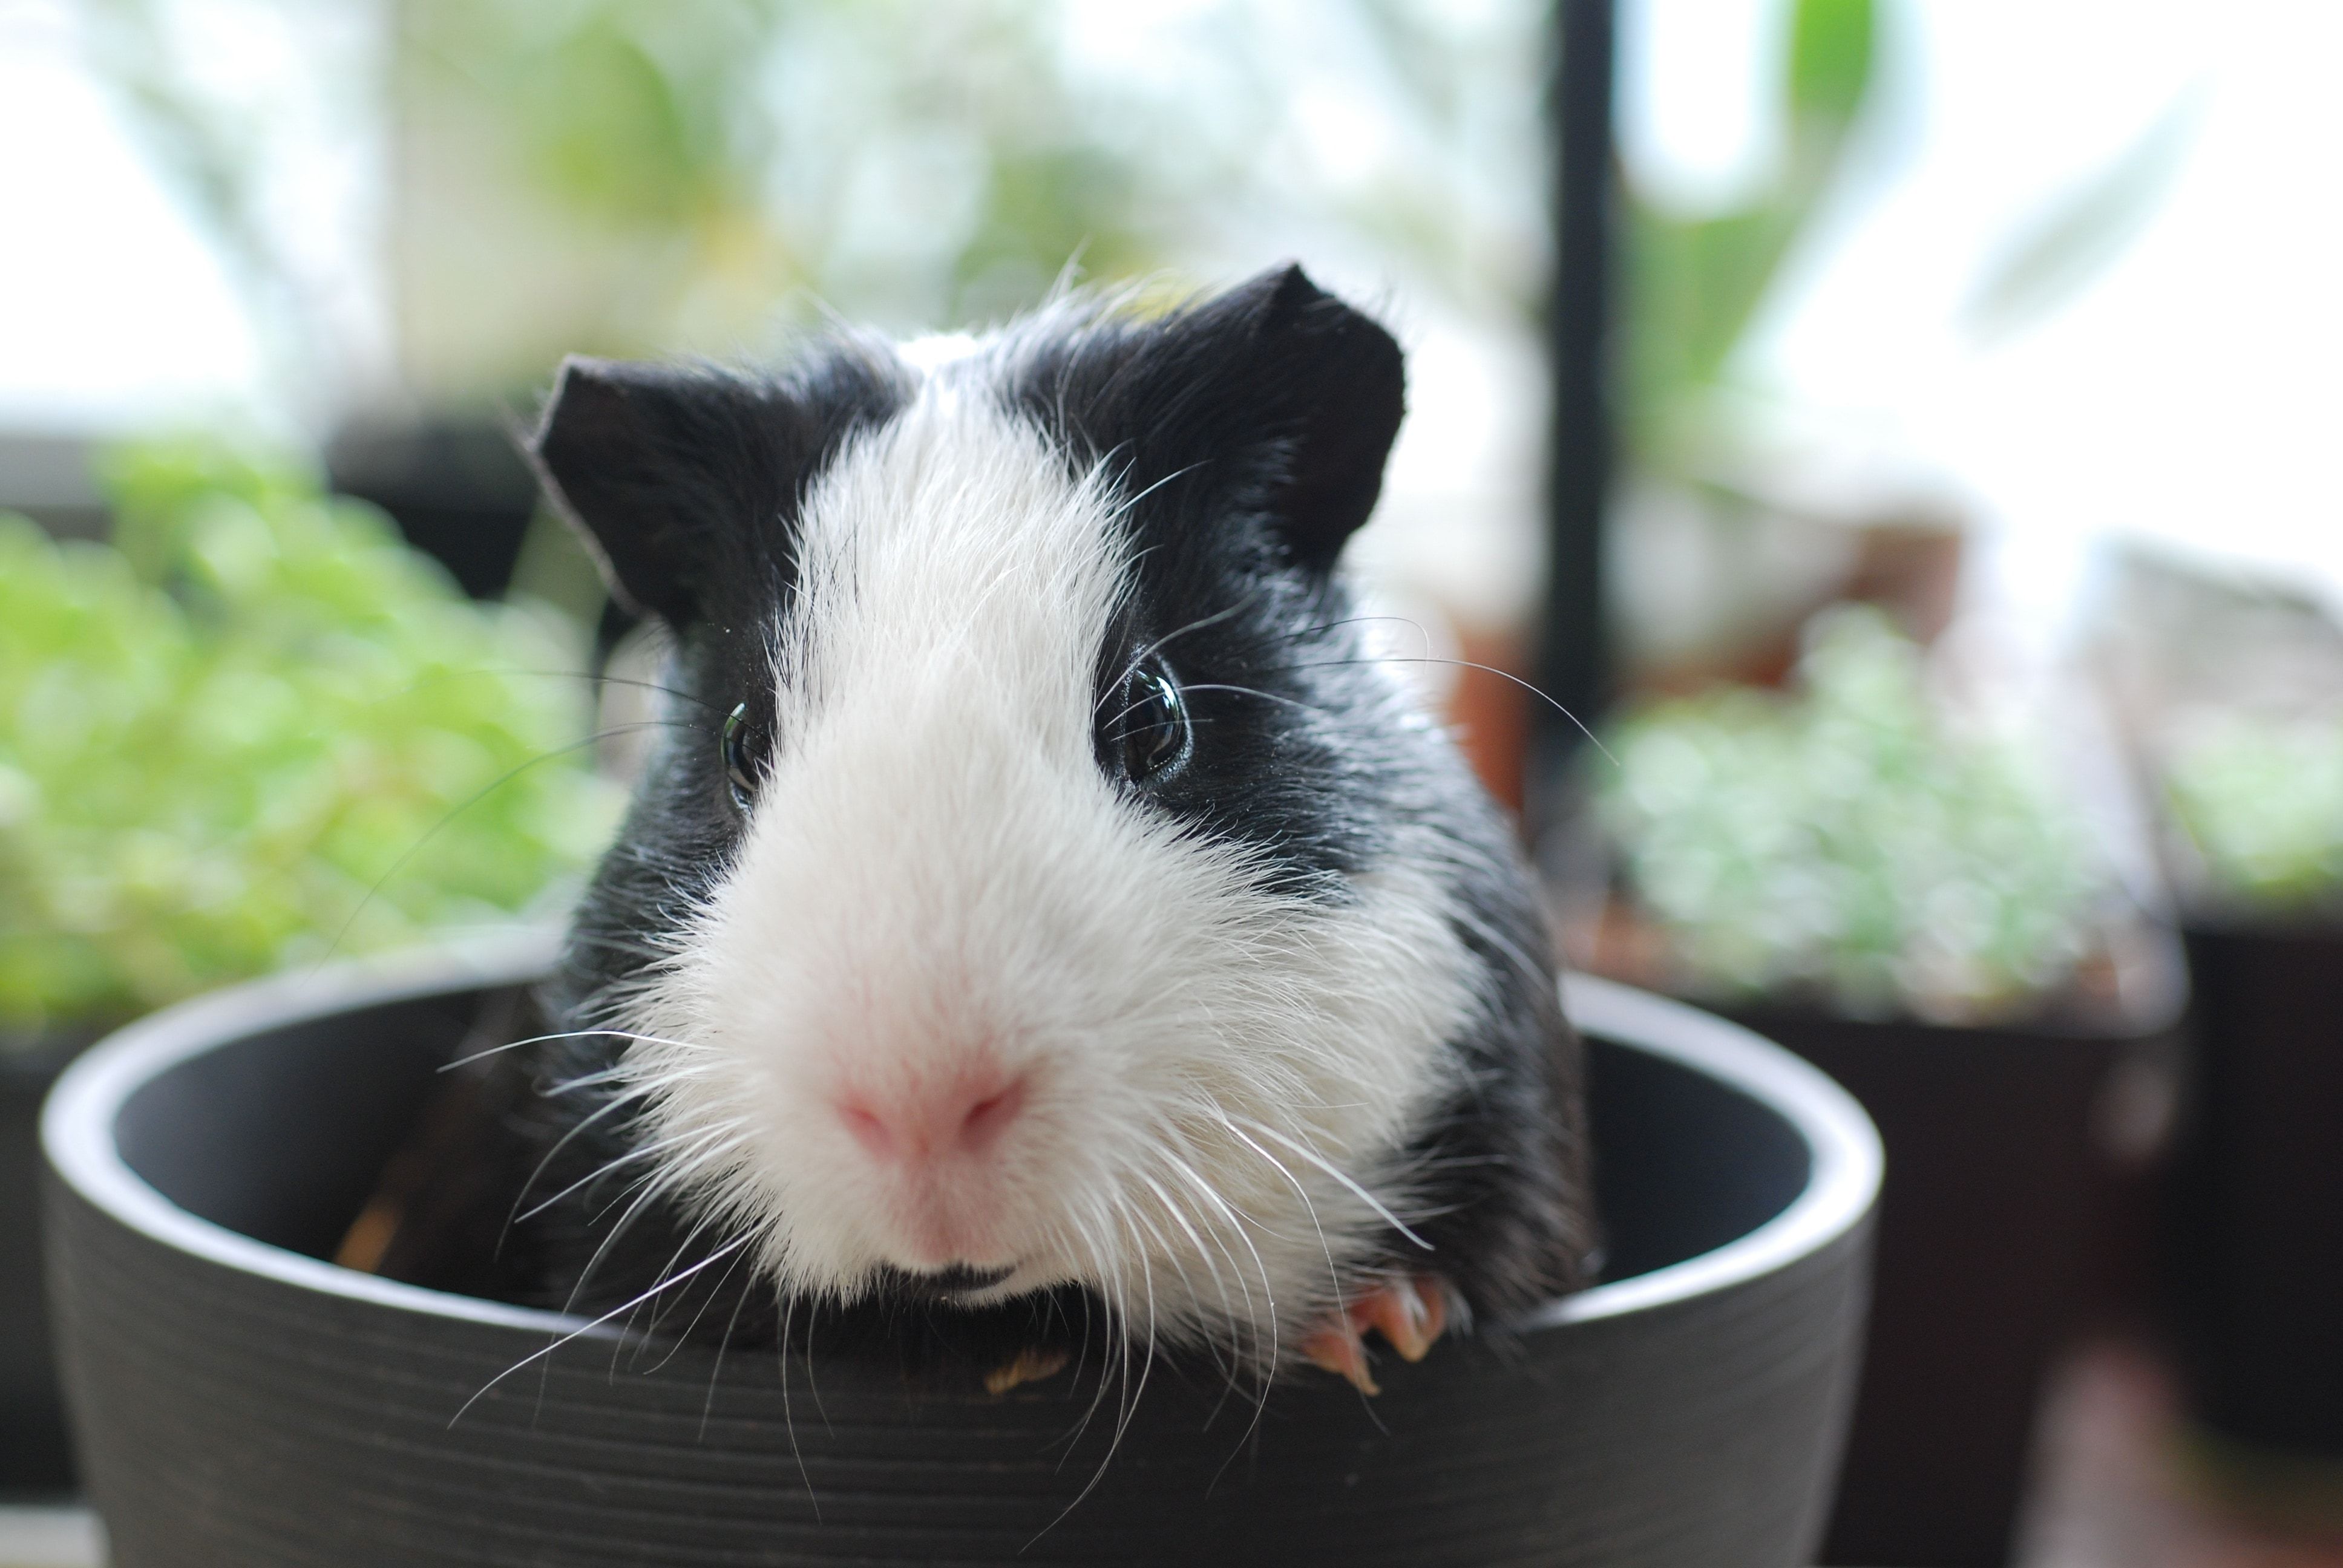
1573,647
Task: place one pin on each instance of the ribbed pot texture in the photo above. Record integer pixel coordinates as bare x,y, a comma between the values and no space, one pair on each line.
238,1401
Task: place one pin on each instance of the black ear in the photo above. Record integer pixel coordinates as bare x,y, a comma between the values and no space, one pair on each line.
651,462
1312,389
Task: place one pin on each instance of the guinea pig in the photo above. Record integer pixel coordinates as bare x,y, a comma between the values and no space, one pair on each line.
1042,908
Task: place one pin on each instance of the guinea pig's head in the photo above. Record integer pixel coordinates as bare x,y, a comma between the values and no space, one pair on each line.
1038,883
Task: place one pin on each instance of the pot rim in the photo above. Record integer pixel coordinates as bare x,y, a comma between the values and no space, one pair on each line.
78,1125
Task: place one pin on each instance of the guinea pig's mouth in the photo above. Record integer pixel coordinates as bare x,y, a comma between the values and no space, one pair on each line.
955,1283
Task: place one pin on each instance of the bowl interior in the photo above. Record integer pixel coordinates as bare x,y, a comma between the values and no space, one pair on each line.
280,1136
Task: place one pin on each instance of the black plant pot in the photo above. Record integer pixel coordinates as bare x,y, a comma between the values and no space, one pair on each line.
457,487
1990,1226
35,1457
238,1400
2257,1214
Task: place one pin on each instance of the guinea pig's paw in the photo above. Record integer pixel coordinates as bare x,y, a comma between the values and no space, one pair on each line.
1031,1365
1408,1311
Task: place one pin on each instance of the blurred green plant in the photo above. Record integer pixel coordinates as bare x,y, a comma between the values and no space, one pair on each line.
1695,283
2063,249
685,176
631,176
257,730
2261,799
219,133
1847,844
1694,286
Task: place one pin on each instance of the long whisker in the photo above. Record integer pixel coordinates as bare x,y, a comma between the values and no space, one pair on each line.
1333,1274
707,1405
1465,664
1357,1191
515,1216
634,1210
1123,508
659,1311
441,676
628,1034
1256,691
1222,1358
789,1419
609,1168
589,1327
1084,1242
1236,1222
501,780
1131,1400
1141,657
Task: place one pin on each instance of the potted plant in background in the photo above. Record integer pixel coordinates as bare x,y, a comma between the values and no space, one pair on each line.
254,730
2256,803
1723,544
2231,693
1737,511
1911,905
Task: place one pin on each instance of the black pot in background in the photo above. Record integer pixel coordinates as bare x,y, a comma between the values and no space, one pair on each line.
2256,1268
1992,1233
460,492
36,1458
457,488
239,1401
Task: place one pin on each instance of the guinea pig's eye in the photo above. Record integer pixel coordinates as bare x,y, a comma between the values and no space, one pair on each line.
1149,737
744,756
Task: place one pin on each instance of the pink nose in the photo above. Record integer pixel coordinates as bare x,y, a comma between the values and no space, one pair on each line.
960,1118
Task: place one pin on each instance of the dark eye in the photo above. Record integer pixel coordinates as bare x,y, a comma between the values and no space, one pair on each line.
1148,736
744,756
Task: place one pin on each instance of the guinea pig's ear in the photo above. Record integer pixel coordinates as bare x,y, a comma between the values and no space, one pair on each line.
1321,384
645,461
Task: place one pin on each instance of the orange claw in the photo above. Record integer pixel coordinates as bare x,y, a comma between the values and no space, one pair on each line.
1409,1311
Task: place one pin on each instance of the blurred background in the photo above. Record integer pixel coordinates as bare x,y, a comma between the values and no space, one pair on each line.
1890,434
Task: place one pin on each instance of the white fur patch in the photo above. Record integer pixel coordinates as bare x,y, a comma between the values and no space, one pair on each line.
937,880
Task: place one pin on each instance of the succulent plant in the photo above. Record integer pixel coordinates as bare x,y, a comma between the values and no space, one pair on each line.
1847,843
2261,799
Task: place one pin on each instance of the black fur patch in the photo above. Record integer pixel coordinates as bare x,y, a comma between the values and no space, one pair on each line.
689,481
1248,436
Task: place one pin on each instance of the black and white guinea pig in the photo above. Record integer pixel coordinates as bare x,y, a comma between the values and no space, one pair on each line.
1042,910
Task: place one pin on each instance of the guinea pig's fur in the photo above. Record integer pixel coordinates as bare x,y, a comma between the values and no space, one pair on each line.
1043,909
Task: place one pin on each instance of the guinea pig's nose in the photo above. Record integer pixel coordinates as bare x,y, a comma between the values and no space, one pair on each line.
963,1116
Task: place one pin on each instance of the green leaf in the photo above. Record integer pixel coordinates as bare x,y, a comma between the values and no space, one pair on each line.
2063,249
1694,286
1830,60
